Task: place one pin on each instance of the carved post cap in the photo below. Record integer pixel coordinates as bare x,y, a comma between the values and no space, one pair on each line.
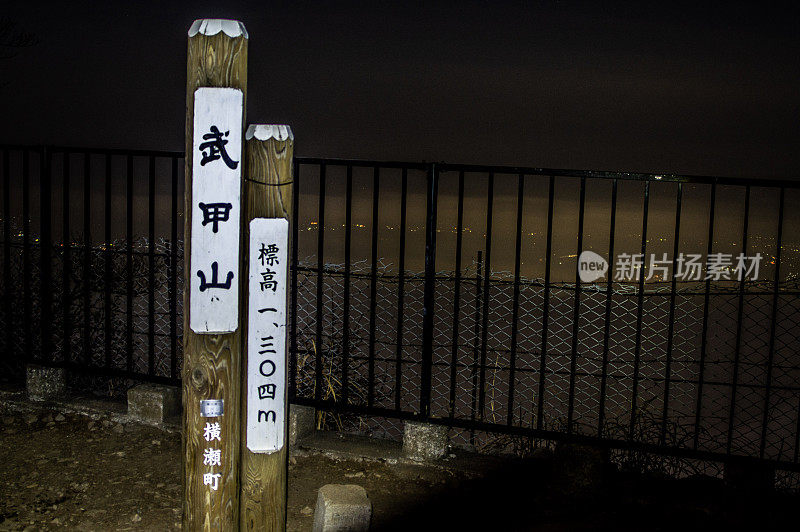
267,131
212,26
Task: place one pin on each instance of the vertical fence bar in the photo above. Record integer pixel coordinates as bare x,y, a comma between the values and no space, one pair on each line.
295,246
515,304
45,254
87,275
129,263
430,289
704,334
66,267
346,311
108,256
457,293
607,325
773,323
546,310
486,276
739,317
172,284
26,254
576,311
797,435
476,350
373,287
639,312
670,323
320,294
151,267
8,294
401,284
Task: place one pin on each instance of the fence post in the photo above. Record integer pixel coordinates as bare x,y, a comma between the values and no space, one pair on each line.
45,255
66,262
476,352
27,291
430,290
172,284
267,194
9,294
217,57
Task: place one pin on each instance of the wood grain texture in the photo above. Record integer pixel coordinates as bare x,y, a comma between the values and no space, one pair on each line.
211,362
263,476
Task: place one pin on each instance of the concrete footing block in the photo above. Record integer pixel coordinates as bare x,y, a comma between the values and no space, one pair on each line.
342,507
424,441
302,423
153,403
45,384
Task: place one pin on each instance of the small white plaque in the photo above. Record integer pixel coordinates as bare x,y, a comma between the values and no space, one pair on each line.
216,171
266,334
211,408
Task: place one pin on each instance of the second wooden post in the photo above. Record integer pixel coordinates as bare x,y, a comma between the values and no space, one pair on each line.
265,230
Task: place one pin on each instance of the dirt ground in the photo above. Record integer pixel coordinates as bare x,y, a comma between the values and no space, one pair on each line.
68,471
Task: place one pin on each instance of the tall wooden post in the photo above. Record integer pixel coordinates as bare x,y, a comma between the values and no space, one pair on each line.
217,57
268,194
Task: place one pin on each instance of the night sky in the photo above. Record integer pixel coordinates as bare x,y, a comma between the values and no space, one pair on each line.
670,88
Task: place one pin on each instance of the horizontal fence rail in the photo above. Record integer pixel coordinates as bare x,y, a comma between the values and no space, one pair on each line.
443,292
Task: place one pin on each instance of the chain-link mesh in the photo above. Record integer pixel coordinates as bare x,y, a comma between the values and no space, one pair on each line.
90,324
459,348
382,361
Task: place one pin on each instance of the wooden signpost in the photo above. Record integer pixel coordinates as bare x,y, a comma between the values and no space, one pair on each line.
212,357
268,201
236,247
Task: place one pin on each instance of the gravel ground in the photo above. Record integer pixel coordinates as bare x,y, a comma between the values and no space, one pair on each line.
69,471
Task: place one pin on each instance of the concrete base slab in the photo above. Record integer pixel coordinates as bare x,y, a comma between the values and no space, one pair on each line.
153,403
342,507
45,384
424,441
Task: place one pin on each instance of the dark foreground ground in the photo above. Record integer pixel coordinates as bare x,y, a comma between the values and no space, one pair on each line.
68,471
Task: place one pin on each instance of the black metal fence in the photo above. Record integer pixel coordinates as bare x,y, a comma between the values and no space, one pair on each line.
443,292
109,300
704,368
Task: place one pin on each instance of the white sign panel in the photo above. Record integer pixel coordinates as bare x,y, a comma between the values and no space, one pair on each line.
266,334
216,171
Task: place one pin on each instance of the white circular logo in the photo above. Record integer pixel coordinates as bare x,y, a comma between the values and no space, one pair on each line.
591,266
